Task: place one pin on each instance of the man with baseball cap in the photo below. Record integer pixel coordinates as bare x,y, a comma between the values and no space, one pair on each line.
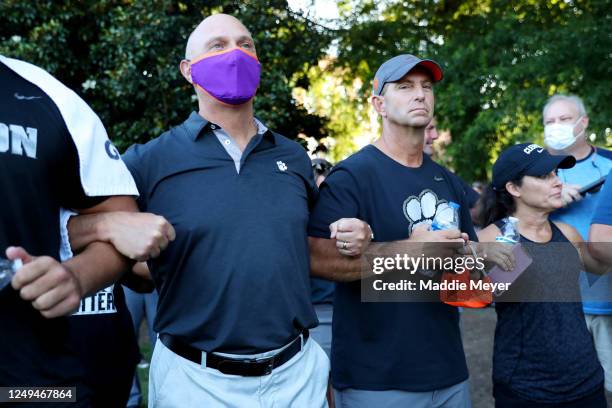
388,354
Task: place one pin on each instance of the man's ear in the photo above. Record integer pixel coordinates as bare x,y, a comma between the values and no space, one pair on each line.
378,102
513,189
185,68
585,123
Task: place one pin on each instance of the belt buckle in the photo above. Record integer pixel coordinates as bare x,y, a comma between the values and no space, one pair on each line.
268,363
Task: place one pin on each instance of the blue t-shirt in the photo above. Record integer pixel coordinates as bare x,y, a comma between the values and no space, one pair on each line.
380,346
236,279
596,291
603,210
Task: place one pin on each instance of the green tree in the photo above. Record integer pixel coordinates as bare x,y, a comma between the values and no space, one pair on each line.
349,125
502,59
122,56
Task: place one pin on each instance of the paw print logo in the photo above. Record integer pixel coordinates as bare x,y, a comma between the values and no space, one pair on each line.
425,209
281,165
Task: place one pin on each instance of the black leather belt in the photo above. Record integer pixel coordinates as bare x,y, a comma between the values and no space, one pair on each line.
246,367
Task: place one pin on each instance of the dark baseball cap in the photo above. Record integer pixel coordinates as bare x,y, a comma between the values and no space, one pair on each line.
526,159
394,69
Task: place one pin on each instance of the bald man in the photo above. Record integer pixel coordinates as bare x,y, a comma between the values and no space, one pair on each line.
234,308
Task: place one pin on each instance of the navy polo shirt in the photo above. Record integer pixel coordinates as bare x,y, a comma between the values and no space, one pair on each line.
380,346
236,279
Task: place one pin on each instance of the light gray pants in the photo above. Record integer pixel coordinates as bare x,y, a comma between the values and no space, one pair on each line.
455,396
301,382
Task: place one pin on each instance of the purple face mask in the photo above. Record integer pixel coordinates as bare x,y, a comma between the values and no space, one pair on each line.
230,76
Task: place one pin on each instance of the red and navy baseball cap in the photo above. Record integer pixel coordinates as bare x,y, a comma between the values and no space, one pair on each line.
395,68
526,159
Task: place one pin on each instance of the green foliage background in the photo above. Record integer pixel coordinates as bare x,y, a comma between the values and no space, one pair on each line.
502,59
131,51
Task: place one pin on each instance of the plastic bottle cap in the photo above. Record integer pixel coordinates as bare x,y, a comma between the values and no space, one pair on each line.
505,239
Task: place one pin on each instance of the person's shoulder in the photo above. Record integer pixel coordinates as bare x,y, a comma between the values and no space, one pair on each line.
435,165
288,144
293,150
32,73
570,232
355,170
158,146
360,162
148,147
69,102
604,153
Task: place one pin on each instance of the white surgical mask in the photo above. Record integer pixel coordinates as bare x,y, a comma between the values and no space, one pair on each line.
559,136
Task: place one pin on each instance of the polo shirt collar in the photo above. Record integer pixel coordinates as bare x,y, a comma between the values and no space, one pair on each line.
195,125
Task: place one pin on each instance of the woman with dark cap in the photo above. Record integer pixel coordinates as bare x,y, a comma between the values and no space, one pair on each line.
543,354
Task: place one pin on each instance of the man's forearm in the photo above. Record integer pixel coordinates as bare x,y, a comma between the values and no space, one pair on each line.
86,229
600,242
91,226
601,251
327,263
598,265
97,266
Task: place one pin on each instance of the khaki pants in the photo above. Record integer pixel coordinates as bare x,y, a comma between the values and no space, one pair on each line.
175,382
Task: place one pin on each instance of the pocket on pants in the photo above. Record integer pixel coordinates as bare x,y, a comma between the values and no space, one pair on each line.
163,367
322,358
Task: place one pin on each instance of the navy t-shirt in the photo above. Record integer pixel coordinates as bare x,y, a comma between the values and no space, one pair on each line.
322,291
380,346
236,279
39,173
472,195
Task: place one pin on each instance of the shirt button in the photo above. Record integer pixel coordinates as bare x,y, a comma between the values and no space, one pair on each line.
213,127
227,142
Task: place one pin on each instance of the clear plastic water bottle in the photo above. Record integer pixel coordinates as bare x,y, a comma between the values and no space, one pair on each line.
452,223
509,231
7,271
